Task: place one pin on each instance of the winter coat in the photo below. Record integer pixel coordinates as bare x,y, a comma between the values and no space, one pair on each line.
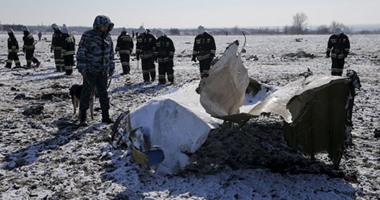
124,44
28,41
164,49
68,46
57,40
338,45
204,46
12,44
95,52
145,45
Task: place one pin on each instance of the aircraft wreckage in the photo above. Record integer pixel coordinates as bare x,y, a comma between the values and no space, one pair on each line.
315,110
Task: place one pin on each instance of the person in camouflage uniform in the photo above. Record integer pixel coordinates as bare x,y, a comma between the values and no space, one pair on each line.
68,50
95,61
124,46
28,48
13,49
164,52
56,47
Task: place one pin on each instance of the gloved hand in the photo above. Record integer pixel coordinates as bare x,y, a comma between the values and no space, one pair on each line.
194,59
137,56
24,50
327,55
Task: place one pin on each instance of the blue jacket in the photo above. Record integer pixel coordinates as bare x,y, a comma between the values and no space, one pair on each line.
95,52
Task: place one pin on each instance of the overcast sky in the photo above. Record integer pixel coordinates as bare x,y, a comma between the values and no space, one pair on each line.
190,13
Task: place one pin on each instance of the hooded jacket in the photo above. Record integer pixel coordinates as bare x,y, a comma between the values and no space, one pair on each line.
95,52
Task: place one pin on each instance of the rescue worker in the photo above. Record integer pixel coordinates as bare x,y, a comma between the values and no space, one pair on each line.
144,49
95,61
68,50
28,48
13,49
56,47
204,51
39,36
124,47
339,47
164,52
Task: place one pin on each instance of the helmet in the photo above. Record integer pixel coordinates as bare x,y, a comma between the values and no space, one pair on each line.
201,29
141,30
54,26
123,30
103,20
338,31
65,30
25,28
10,31
159,33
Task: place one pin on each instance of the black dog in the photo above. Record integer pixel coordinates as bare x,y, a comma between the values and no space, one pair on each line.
75,92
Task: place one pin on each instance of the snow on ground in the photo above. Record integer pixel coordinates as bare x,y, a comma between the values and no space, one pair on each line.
46,155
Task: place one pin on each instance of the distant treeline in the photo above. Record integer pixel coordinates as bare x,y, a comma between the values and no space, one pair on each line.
287,30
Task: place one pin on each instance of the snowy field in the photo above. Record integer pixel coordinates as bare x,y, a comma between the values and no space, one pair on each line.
46,156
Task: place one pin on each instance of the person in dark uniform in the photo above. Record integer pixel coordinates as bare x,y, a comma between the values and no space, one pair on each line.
56,47
28,48
164,52
144,49
13,49
204,50
124,47
338,47
96,62
39,36
68,50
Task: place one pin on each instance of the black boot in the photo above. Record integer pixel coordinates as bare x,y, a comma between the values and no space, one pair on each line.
106,117
8,65
38,63
82,118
